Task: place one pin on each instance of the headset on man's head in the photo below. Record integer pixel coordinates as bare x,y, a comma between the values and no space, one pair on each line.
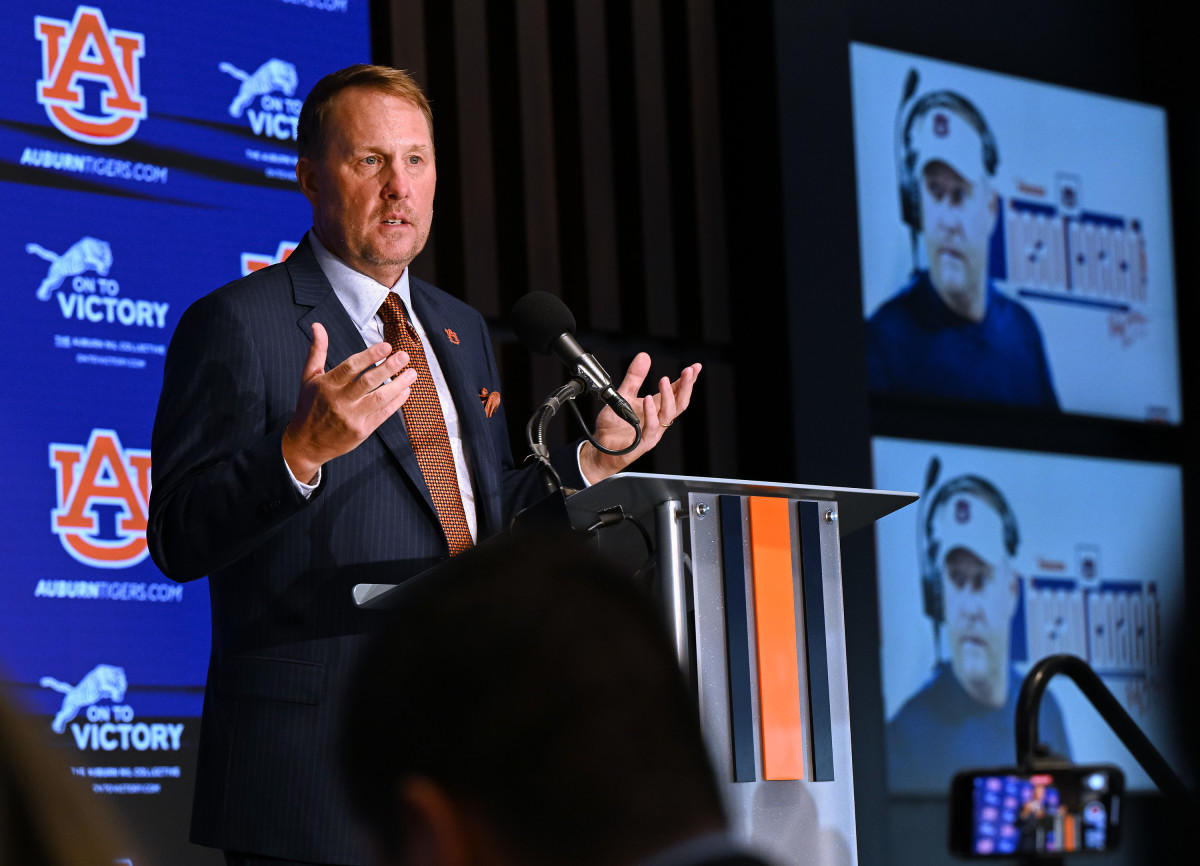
910,184
973,485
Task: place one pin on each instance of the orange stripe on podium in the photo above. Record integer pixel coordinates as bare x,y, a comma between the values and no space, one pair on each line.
775,622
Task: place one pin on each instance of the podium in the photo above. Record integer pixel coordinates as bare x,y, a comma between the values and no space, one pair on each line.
749,578
748,575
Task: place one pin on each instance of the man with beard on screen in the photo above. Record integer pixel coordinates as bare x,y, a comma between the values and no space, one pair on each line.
950,332
963,715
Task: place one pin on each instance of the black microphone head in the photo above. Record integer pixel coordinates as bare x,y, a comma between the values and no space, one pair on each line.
538,319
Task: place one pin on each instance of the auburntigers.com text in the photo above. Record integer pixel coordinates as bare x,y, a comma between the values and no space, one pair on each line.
80,163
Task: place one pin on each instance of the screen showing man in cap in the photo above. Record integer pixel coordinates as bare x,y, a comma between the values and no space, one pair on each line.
949,332
963,715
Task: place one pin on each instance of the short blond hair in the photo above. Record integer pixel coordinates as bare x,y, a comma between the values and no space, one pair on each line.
311,133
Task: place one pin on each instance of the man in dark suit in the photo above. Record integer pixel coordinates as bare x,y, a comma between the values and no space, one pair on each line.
527,707
288,470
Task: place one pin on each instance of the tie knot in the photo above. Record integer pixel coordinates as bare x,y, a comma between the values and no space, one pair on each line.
391,311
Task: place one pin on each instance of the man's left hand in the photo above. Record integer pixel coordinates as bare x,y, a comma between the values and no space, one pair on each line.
655,411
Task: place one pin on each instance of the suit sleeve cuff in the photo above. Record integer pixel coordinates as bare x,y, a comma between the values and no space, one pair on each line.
305,490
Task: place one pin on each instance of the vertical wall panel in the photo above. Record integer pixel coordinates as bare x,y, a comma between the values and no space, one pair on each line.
537,138
504,87
655,193
478,195
716,417
579,153
599,204
705,93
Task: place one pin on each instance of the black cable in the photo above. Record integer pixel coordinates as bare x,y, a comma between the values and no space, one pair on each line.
637,433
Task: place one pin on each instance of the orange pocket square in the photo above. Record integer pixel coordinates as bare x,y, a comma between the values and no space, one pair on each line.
490,400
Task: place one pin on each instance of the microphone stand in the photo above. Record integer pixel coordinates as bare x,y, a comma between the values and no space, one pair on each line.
535,431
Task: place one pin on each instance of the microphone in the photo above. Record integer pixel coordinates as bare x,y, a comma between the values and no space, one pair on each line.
544,324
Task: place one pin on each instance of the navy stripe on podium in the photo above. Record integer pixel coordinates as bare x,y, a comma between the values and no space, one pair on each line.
737,639
812,577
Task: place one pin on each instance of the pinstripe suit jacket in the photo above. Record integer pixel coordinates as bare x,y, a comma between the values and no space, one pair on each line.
285,631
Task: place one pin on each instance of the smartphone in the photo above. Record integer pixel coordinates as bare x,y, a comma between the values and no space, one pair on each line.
1010,811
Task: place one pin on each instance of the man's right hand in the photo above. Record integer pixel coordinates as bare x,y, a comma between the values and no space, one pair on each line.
338,410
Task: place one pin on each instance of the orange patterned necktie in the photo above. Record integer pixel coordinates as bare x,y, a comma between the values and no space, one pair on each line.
427,427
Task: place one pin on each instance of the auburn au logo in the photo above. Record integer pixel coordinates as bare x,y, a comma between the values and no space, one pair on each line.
85,49
252,262
102,497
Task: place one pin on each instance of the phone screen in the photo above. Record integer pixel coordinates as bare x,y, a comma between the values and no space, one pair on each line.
1003,811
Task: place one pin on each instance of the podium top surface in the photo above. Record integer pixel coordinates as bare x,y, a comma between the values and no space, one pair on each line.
637,492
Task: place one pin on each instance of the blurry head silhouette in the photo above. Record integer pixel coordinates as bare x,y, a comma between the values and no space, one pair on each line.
525,705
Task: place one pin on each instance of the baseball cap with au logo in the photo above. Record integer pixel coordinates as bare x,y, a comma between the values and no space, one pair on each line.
968,522
944,135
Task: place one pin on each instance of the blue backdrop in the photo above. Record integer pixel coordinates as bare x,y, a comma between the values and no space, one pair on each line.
146,157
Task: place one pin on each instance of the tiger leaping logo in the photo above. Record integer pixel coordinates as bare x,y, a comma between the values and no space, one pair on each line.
86,254
102,681
274,75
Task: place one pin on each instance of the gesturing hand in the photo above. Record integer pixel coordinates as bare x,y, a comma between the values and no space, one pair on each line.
656,411
336,411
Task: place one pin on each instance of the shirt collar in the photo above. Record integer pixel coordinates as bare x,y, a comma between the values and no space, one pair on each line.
360,295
